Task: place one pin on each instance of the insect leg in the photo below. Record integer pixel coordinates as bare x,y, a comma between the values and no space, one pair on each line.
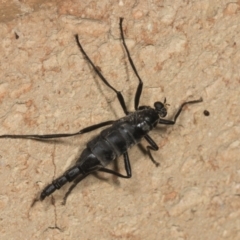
119,94
75,183
127,168
172,122
140,84
106,170
59,135
153,146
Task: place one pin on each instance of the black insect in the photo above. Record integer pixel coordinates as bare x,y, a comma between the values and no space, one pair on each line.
114,140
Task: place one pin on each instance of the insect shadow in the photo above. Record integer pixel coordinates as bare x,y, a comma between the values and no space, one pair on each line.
115,140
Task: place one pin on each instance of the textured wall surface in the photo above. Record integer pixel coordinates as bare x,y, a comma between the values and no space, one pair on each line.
183,50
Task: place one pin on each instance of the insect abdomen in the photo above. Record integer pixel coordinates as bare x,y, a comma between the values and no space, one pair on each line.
112,142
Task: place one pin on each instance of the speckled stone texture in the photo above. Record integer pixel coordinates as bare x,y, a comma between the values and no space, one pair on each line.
183,50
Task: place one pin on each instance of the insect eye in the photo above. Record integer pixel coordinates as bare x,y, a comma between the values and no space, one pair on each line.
160,108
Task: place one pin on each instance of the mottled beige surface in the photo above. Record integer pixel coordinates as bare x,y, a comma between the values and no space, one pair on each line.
182,50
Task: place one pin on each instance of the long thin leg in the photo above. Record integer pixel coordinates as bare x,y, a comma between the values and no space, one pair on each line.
119,94
127,168
172,122
59,135
153,146
79,179
75,183
140,84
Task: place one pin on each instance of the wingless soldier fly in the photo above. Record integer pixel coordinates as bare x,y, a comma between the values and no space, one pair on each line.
115,140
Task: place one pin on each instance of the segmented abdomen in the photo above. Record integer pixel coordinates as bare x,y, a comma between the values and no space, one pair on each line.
113,142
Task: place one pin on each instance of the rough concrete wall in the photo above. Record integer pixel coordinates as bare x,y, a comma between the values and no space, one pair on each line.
183,50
